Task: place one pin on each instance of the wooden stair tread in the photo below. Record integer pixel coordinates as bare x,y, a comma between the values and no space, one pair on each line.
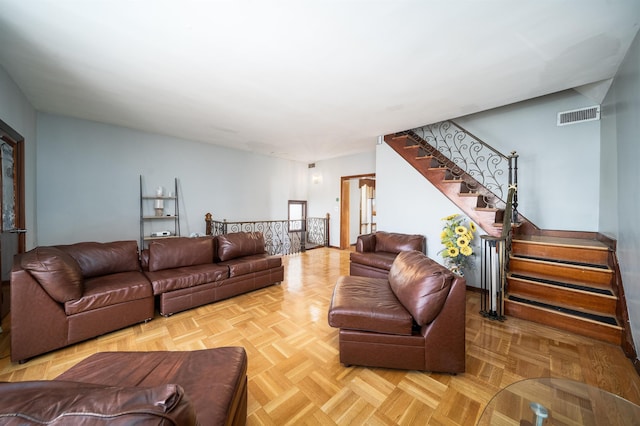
562,241
565,263
565,284
592,317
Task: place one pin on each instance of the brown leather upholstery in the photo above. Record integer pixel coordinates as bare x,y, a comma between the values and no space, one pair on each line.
368,304
147,388
215,380
65,294
117,299
376,252
238,244
438,345
65,403
196,276
178,252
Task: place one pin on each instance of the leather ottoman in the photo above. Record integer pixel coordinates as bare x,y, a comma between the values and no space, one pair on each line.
215,380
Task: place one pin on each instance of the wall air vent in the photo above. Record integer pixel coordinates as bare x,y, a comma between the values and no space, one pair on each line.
579,115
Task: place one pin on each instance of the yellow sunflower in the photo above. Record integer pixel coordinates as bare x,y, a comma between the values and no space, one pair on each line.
462,242
461,230
466,250
450,217
452,251
472,226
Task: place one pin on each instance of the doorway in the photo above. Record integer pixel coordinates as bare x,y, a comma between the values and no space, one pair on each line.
12,223
357,207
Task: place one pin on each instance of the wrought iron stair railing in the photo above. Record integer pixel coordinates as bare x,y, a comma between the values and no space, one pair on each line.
491,172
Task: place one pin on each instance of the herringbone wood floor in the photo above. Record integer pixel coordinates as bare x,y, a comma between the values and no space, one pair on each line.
294,373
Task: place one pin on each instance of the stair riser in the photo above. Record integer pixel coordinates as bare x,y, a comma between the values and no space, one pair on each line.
597,257
563,322
558,272
553,295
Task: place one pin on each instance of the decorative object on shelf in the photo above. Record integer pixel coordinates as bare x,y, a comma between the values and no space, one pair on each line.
457,234
158,204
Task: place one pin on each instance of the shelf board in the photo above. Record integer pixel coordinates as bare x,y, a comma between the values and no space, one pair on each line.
160,238
160,217
164,197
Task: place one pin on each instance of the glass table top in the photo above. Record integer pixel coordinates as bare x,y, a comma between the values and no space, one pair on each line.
550,401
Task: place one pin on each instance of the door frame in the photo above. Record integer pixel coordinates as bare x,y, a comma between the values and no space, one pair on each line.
10,136
345,212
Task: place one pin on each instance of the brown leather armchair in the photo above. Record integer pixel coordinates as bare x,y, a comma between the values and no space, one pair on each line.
376,252
413,320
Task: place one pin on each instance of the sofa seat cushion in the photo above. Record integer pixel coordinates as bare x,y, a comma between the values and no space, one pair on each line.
96,259
380,259
65,403
421,284
188,276
248,264
178,252
368,304
109,290
214,379
57,272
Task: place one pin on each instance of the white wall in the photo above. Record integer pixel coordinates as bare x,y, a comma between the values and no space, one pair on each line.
88,180
558,176
620,201
409,203
17,112
324,197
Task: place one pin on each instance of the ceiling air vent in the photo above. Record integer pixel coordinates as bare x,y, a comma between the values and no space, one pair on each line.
579,115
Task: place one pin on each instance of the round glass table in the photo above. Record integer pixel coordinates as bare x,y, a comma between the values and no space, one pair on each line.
549,401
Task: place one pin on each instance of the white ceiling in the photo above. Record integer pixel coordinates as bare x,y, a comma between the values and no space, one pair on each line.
304,79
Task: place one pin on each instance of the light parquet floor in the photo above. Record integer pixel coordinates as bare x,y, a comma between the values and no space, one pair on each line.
294,373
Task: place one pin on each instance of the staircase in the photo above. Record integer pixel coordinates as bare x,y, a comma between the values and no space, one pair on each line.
567,280
478,203
564,282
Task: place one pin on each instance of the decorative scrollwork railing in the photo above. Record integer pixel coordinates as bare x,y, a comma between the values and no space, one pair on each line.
469,155
280,236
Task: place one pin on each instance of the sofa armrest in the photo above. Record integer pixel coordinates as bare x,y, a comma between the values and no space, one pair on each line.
366,243
445,335
38,323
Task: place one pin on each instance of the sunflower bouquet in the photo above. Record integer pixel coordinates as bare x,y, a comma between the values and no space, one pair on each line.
457,234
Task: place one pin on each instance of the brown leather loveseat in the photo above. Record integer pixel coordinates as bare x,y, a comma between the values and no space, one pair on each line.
414,319
205,387
376,252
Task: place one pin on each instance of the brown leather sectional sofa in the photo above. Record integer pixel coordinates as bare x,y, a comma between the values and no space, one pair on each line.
376,252
205,387
414,319
62,295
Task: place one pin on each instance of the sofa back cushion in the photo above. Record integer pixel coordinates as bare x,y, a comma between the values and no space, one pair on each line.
97,259
395,243
238,244
420,284
178,252
57,272
64,403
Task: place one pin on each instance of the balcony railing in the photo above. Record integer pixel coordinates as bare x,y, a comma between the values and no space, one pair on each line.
280,236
